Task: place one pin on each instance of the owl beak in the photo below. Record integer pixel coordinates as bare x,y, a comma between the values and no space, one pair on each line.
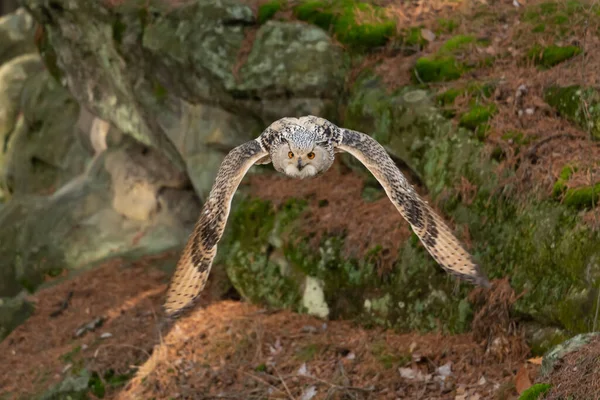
300,165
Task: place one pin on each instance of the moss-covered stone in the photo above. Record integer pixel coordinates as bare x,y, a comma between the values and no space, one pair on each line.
557,353
552,55
577,104
13,312
357,24
540,245
268,263
443,66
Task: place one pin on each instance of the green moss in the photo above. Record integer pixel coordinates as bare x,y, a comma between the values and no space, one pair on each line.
447,25
577,104
316,12
561,19
266,11
159,91
582,197
548,8
540,245
447,97
257,275
458,42
413,37
539,28
118,29
443,65
477,117
535,391
438,69
550,56
560,186
356,24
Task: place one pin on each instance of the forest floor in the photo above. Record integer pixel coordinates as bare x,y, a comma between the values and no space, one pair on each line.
233,350
107,321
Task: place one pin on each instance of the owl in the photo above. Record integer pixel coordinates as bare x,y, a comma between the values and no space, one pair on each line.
304,148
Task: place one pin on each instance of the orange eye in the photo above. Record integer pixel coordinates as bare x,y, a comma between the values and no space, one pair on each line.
290,154
311,155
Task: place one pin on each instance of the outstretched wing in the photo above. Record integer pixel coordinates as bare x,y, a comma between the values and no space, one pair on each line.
194,265
437,238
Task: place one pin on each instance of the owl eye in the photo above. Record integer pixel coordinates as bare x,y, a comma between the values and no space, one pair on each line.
310,155
290,154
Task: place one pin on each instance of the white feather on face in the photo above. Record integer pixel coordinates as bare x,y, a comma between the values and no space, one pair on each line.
306,161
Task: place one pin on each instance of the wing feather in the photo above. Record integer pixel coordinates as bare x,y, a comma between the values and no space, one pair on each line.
431,229
193,268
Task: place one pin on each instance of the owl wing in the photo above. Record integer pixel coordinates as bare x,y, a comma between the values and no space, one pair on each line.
435,235
192,270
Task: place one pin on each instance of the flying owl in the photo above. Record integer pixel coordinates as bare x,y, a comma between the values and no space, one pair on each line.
303,148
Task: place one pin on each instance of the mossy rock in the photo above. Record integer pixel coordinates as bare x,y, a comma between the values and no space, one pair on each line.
540,245
577,104
268,264
553,356
359,25
547,57
13,312
443,66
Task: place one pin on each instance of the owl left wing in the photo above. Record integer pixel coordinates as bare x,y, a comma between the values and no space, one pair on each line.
435,235
194,265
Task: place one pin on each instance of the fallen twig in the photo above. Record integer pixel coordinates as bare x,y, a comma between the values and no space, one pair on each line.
62,306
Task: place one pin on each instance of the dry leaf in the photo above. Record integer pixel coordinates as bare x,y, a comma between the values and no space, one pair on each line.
428,35
535,360
522,381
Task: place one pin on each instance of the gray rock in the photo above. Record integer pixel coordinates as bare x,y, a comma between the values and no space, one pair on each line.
73,387
13,75
13,312
43,149
77,227
553,356
292,58
82,38
16,35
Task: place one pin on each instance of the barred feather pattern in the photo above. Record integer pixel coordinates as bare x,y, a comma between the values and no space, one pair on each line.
193,268
435,235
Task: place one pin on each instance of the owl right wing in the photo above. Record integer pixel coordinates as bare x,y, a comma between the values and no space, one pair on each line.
194,265
437,238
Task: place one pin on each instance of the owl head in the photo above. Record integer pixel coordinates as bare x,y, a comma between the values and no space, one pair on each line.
301,152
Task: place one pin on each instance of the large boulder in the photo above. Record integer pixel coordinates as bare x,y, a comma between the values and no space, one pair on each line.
13,75
43,151
139,70
16,35
77,226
